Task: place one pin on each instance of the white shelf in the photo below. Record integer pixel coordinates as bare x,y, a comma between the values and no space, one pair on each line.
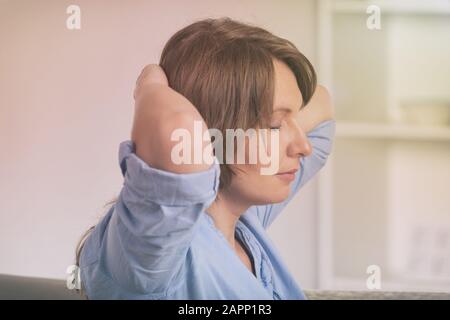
389,190
439,7
391,131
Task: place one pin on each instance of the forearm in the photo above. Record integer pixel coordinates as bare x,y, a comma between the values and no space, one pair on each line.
159,111
320,108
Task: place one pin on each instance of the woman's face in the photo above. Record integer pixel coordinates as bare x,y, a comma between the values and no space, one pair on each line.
249,185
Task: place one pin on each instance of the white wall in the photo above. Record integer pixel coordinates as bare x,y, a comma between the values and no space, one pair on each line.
66,103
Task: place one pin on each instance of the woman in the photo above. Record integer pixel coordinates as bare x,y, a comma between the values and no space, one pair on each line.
198,231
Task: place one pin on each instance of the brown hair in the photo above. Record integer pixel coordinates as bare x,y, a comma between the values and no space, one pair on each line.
225,69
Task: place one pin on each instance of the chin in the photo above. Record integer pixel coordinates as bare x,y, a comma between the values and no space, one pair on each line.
281,197
264,191
277,195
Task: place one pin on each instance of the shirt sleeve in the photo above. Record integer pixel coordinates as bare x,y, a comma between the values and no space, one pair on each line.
147,237
321,139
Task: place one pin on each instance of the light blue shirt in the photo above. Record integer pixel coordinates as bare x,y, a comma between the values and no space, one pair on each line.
157,241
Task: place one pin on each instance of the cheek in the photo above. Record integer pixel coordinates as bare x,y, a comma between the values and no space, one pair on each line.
272,189
266,153
259,189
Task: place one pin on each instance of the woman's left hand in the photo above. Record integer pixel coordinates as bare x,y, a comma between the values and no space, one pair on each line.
320,108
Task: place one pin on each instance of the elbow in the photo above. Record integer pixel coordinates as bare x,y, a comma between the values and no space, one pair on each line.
325,101
173,144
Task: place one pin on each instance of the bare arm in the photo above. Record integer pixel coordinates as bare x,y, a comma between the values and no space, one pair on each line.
142,244
159,110
320,108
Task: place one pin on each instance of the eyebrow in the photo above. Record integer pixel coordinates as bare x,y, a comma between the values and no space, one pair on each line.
286,110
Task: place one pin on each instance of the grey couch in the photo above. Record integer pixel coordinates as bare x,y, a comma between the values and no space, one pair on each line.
15,287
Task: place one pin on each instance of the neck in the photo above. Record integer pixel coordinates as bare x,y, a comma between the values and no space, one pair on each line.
225,211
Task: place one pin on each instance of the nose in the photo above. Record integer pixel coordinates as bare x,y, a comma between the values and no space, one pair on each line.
299,145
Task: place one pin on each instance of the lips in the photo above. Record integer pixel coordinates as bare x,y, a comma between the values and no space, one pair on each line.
290,171
287,175
293,170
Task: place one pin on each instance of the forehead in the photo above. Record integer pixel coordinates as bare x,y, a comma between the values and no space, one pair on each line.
286,94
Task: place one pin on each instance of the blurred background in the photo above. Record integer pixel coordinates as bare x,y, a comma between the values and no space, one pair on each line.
381,203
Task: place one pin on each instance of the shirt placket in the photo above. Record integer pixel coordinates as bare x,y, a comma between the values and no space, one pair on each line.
263,268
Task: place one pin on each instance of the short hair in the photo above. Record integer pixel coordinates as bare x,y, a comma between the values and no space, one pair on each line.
225,69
